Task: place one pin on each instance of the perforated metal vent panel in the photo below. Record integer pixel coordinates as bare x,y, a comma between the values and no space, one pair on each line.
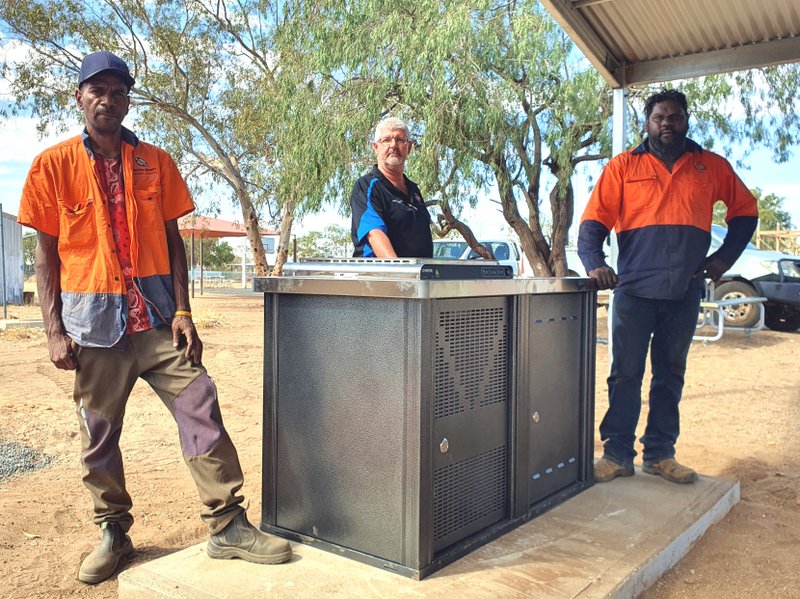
470,417
469,492
471,359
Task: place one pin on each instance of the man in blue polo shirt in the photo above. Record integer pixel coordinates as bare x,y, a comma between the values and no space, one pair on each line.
389,215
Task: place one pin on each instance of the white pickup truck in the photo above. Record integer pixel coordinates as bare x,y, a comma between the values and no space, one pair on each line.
764,273
505,252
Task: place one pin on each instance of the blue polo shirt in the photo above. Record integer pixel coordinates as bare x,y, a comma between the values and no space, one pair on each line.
377,204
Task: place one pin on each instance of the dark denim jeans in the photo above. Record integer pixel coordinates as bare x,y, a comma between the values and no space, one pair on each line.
672,324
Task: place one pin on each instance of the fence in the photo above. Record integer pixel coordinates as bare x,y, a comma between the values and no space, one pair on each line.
217,278
780,241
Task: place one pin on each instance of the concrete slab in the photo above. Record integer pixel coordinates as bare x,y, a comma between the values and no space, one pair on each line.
613,541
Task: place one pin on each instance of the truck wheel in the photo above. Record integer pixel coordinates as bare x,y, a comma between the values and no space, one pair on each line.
738,315
782,318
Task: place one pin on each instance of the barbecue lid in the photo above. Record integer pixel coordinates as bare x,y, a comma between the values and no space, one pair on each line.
403,268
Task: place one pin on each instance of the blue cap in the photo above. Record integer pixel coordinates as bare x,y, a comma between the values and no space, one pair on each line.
102,62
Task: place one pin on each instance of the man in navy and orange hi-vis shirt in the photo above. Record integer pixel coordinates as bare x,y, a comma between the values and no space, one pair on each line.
113,286
659,198
389,215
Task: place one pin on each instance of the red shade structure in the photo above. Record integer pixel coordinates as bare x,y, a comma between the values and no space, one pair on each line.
206,227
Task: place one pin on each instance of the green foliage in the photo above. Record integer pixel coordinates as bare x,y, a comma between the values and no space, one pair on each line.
332,242
308,246
217,254
277,99
495,93
29,251
771,215
211,88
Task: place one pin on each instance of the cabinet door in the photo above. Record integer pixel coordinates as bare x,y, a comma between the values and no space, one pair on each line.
553,396
470,412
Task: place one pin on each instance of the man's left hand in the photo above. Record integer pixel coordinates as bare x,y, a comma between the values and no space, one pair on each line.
714,268
183,328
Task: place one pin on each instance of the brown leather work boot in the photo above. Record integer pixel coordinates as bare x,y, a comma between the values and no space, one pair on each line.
243,540
606,470
672,471
101,563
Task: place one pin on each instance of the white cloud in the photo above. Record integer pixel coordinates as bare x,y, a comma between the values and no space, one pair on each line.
20,146
21,141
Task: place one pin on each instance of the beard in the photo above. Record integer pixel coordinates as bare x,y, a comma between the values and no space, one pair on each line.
671,146
394,159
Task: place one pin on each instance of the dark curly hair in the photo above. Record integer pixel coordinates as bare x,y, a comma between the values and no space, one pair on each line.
665,95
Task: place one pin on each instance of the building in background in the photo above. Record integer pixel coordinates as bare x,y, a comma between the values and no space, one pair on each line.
11,266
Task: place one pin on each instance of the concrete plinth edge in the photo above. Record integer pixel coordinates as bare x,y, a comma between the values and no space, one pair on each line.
663,560
612,541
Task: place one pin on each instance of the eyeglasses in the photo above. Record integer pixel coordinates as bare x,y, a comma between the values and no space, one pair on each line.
387,141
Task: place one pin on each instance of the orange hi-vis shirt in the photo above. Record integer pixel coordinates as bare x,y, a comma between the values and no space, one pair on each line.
63,197
663,219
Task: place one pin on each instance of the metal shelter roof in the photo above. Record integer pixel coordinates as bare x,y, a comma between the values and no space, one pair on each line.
643,41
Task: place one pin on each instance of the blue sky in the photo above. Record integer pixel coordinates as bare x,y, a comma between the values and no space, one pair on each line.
21,145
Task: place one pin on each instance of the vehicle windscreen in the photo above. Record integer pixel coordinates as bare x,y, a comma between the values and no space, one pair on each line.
499,249
449,249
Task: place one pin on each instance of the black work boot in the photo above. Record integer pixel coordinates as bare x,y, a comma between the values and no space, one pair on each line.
101,563
243,540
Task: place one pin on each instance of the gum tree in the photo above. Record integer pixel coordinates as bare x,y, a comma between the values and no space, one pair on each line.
210,88
505,107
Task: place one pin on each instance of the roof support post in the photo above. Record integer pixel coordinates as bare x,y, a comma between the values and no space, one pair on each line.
620,120
619,138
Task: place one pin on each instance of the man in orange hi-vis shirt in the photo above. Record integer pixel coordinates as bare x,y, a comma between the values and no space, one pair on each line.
113,286
659,198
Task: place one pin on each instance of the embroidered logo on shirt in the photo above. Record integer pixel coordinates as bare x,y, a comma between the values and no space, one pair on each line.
701,168
404,203
140,161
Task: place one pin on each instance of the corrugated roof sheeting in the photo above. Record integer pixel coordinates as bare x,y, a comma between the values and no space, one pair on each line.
641,30
637,41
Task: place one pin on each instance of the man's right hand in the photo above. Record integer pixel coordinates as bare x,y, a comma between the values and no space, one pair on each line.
605,277
61,354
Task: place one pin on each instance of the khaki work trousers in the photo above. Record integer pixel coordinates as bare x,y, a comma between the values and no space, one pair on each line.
103,382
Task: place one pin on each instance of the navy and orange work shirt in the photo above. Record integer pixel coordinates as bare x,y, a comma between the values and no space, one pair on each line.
377,204
663,219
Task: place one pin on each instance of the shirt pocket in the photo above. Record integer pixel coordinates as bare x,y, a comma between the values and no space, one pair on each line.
77,228
701,182
148,205
639,192
699,199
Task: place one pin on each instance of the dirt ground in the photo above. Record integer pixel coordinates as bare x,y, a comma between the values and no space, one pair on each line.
740,416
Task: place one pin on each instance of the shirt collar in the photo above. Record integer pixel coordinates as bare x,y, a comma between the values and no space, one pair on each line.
376,172
644,147
128,136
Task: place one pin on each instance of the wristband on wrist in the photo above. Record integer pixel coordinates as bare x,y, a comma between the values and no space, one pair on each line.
183,313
